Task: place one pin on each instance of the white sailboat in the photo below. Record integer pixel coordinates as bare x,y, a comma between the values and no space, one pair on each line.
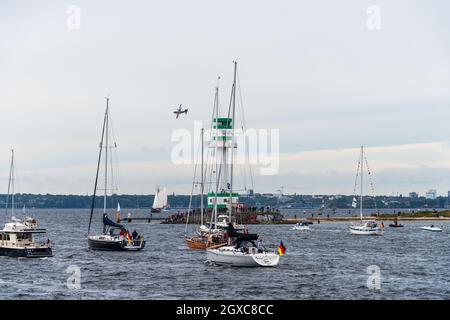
371,227
242,250
160,200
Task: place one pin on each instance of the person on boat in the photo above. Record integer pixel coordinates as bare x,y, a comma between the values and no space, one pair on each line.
260,246
122,232
134,234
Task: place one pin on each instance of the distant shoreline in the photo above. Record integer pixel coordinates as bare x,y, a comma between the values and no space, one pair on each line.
344,219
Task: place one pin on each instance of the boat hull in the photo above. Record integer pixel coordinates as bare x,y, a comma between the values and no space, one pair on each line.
114,245
153,210
26,252
201,243
238,259
304,228
364,231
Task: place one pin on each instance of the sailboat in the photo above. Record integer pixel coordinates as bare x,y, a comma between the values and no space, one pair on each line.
160,200
371,227
241,249
114,236
17,237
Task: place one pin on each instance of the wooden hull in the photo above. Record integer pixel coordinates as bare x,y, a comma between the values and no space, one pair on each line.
201,243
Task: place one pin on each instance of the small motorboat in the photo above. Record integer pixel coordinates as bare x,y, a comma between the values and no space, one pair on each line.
395,225
432,228
301,226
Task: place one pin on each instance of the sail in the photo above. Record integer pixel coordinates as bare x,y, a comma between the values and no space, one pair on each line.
160,200
108,222
164,198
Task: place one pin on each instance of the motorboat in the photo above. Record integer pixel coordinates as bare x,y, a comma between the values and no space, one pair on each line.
395,225
432,228
301,226
17,240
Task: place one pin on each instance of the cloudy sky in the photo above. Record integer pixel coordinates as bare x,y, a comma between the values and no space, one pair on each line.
314,70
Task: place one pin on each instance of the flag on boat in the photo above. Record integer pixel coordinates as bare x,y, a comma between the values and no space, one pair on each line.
281,249
354,202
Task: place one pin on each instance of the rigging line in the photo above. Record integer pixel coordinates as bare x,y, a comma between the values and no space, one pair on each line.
244,124
357,175
9,182
192,190
371,182
98,166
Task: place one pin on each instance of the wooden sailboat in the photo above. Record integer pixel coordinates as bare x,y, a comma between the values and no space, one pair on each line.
114,236
205,237
160,200
371,227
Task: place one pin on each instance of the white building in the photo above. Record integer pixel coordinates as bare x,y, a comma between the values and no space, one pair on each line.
431,194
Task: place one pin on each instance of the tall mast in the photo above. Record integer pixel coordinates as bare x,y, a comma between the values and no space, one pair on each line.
216,100
98,165
11,183
362,173
202,184
232,139
106,155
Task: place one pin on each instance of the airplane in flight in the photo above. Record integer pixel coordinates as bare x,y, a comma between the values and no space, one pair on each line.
180,111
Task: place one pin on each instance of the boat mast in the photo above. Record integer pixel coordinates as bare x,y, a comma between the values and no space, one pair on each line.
216,100
11,184
202,184
106,155
362,173
232,139
98,165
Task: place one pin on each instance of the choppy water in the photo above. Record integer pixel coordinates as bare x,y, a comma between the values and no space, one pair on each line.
326,263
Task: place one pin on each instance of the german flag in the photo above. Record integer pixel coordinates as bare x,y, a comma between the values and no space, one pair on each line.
281,249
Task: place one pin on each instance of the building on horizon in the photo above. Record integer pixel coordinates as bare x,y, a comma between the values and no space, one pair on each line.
431,194
413,195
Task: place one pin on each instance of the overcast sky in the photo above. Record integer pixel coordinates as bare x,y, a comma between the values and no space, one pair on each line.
312,69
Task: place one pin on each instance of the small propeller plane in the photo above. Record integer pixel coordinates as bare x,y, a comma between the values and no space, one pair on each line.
180,111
